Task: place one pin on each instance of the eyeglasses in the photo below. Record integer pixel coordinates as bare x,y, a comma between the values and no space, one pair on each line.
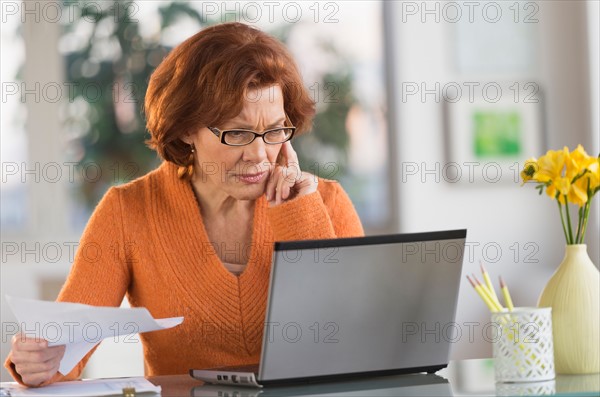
242,137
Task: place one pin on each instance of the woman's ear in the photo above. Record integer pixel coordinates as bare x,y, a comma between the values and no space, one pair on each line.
187,138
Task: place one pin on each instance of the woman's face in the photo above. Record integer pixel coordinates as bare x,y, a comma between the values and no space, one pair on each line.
243,171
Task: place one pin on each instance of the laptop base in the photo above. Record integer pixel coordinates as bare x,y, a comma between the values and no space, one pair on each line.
246,376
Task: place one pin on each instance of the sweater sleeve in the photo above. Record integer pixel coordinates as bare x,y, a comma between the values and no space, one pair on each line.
326,213
100,274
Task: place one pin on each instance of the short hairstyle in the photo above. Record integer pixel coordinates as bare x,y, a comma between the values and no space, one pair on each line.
204,80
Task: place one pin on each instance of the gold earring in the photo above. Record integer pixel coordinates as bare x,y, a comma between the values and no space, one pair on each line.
187,171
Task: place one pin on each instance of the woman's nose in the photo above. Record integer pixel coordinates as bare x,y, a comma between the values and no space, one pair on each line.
256,151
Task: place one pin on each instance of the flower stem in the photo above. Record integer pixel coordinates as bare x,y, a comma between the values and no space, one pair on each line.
579,222
586,215
569,220
586,212
562,220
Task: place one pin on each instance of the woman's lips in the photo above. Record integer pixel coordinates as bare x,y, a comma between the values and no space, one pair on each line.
252,178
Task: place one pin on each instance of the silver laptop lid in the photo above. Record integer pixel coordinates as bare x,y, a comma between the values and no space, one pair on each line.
357,305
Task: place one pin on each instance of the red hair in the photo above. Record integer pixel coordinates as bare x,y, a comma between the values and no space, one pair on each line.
203,82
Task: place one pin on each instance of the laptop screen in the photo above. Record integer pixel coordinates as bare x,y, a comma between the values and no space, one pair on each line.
356,305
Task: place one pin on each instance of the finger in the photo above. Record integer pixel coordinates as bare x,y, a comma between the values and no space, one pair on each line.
289,153
33,380
34,374
272,183
285,191
37,378
279,186
42,355
286,181
281,159
23,338
38,367
286,174
291,174
21,342
292,162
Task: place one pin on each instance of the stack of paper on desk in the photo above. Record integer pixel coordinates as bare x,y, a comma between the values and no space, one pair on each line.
82,388
81,327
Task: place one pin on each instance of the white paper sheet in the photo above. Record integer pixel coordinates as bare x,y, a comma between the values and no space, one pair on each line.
81,327
84,388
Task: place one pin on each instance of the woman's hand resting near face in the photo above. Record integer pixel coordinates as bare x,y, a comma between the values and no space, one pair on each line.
34,360
286,180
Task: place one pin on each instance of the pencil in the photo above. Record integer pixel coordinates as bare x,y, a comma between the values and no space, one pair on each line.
506,293
483,295
488,283
497,306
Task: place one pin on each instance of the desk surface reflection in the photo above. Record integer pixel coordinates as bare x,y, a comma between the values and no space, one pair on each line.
461,378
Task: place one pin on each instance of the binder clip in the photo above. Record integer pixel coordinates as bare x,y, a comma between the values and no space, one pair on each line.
129,392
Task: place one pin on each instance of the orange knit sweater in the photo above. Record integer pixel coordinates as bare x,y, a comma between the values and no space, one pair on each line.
146,239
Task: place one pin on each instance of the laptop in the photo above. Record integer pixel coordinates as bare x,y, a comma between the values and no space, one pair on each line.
352,307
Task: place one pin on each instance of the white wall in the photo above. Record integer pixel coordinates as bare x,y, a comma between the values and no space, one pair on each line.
593,14
499,214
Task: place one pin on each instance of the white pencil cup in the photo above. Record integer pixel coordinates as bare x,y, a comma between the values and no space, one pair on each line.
523,348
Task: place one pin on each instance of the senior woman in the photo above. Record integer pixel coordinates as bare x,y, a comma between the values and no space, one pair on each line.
194,237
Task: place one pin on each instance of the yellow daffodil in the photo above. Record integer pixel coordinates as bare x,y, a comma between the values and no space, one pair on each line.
594,174
577,162
571,178
529,170
560,186
578,192
550,165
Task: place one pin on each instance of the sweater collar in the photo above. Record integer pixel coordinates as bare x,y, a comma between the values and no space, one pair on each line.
180,228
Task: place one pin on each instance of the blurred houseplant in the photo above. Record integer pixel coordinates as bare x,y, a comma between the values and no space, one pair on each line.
107,131
573,291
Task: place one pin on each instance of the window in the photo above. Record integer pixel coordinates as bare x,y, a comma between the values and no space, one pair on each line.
13,195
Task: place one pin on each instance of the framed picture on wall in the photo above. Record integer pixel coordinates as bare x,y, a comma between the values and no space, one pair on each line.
494,130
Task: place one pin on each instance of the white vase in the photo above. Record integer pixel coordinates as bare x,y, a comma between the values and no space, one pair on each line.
573,292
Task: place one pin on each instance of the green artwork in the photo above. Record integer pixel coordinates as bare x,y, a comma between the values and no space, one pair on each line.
497,133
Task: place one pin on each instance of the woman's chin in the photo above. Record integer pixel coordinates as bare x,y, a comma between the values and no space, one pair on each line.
249,192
